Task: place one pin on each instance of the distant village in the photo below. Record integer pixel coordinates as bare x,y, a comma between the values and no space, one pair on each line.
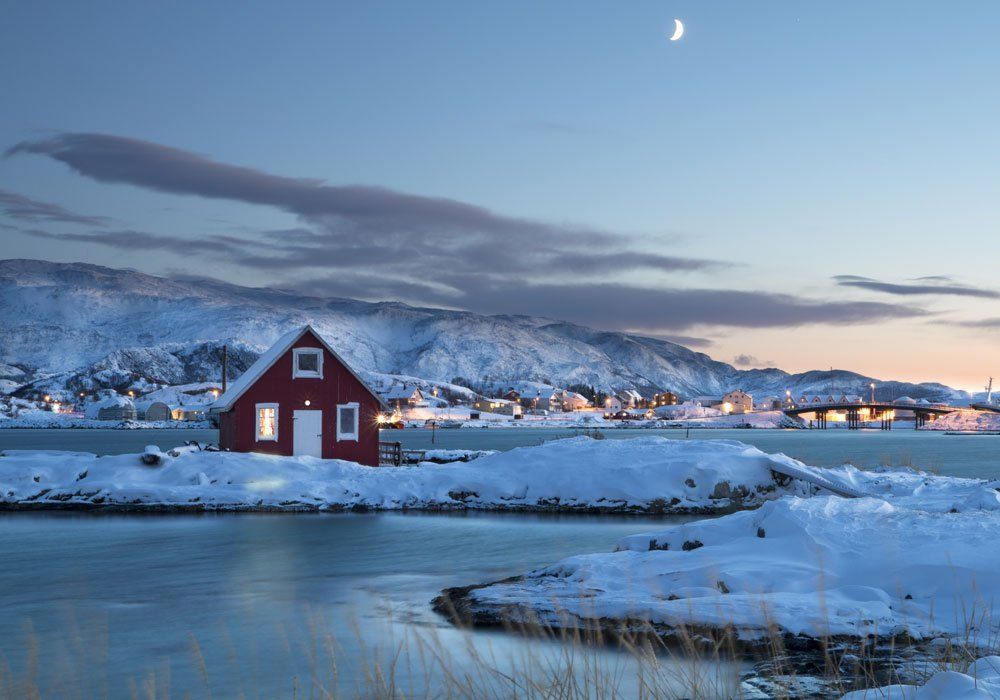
408,403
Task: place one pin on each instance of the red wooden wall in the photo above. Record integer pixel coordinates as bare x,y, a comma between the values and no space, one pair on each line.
338,386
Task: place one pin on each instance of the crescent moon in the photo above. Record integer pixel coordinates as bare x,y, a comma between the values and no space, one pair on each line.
678,30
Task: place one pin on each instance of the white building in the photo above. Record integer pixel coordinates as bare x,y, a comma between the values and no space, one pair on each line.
737,401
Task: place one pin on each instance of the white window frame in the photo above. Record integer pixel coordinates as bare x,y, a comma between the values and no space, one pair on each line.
256,422
303,374
357,420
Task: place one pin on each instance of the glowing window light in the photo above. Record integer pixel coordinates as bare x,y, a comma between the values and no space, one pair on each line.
267,422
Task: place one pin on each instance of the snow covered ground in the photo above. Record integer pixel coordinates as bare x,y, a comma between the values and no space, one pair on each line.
647,474
757,419
981,681
918,558
48,419
966,420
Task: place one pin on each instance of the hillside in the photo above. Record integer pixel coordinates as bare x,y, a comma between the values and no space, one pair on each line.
94,326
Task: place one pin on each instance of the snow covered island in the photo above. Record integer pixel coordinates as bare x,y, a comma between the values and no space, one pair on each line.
914,561
641,475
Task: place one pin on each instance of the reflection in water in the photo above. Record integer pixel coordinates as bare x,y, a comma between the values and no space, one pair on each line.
264,603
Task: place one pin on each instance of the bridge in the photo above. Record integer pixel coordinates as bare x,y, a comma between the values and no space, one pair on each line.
877,410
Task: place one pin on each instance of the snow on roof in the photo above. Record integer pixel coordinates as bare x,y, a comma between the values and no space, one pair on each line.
113,401
905,399
400,392
93,410
265,361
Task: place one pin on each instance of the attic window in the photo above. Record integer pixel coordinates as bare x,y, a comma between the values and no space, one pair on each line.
307,363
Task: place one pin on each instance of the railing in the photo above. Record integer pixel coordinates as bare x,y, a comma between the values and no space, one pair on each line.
390,453
393,454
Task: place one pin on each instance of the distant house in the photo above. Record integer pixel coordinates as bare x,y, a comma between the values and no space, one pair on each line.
665,398
501,406
630,398
549,401
112,408
188,412
572,401
300,398
737,401
612,404
707,401
851,398
768,403
402,396
513,395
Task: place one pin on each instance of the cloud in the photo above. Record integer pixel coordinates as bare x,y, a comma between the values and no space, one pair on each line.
128,239
751,361
688,341
21,208
374,243
990,324
935,285
649,310
358,224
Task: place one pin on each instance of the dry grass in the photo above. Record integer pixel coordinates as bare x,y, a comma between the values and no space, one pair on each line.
567,661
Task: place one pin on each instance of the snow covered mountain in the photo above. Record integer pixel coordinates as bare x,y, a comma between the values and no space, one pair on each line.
95,326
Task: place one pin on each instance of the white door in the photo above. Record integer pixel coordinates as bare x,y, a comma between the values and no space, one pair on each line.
307,433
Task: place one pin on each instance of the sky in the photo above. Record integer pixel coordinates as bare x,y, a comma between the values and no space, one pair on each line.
794,184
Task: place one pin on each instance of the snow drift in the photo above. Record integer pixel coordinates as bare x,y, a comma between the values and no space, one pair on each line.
981,681
810,567
647,474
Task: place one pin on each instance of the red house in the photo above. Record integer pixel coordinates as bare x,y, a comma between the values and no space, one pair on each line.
300,398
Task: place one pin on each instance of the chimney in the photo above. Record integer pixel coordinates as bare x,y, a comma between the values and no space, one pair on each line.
225,366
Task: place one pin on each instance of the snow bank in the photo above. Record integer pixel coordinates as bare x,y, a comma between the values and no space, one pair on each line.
966,420
686,410
48,419
756,419
981,681
808,566
648,474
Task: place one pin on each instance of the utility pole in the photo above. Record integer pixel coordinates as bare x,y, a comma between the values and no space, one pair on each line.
225,366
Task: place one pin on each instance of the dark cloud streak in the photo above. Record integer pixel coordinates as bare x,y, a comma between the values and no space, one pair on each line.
21,208
938,287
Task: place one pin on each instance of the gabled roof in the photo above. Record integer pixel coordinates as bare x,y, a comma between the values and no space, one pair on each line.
267,360
401,392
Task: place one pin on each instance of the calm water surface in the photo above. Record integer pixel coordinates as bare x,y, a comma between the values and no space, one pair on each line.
974,456
112,600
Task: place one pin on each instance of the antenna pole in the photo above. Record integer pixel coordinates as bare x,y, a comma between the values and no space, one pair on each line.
225,366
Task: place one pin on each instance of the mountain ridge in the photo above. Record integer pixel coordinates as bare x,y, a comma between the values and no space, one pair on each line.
68,317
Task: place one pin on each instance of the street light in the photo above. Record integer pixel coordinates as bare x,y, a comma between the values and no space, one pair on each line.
872,386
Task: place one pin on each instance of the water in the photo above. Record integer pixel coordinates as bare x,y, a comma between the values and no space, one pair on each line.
112,600
101,441
952,455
